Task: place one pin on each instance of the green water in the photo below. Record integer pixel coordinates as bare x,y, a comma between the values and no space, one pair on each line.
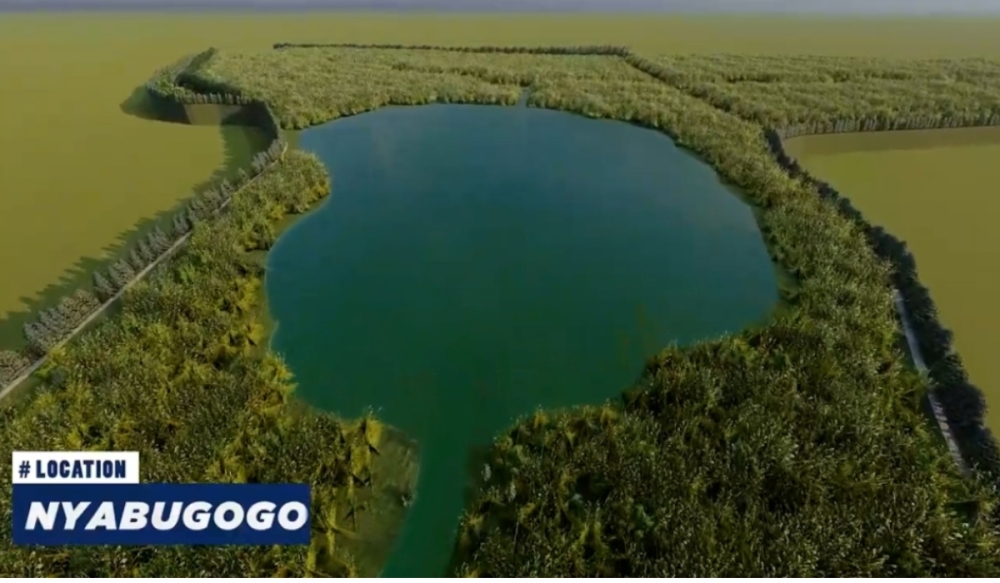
475,263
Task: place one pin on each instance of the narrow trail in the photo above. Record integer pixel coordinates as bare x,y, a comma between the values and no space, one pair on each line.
918,362
9,387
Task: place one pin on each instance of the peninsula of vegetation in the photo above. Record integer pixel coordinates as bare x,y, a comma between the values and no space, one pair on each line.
801,448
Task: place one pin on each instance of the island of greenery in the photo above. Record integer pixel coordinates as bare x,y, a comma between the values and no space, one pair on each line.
801,448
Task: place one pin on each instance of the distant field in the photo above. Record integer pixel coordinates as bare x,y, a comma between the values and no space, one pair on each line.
79,174
936,190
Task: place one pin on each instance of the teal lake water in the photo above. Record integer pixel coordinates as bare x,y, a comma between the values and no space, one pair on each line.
475,263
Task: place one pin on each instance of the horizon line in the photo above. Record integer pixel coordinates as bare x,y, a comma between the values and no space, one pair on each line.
62,7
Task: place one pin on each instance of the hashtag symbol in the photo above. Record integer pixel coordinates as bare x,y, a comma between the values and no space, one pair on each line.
25,469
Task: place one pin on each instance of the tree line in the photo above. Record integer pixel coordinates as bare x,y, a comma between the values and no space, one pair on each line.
963,403
606,50
691,69
54,325
179,376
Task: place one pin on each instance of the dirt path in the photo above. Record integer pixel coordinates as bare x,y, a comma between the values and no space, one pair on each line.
918,362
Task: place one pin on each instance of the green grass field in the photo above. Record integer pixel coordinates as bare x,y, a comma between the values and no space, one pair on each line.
81,175
936,190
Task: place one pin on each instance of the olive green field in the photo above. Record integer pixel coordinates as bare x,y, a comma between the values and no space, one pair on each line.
936,190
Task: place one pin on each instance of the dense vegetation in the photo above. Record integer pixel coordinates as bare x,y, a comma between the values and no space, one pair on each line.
803,95
797,449
840,95
55,325
178,376
296,82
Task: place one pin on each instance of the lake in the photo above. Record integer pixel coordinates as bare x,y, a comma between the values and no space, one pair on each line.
475,263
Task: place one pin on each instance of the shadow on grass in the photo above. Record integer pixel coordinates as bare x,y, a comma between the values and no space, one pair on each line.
140,104
240,144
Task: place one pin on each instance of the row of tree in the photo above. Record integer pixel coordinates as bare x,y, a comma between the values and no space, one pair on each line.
692,69
52,326
607,50
162,86
879,123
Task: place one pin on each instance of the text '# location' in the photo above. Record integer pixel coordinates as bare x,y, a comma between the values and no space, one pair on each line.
75,467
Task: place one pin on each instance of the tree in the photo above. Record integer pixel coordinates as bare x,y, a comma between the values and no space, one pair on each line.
104,289
11,365
121,273
158,241
40,339
212,198
145,252
55,321
181,225
136,260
